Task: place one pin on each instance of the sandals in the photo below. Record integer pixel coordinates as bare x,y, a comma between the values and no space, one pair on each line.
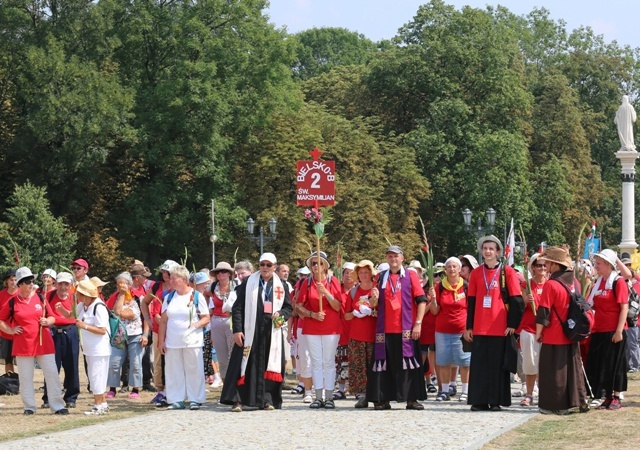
298,390
177,405
463,397
526,401
329,404
317,404
339,395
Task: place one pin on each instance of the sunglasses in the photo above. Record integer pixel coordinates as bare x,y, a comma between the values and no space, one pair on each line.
27,281
266,265
539,265
77,268
315,263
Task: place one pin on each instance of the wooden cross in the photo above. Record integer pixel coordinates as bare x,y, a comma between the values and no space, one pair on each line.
279,291
315,153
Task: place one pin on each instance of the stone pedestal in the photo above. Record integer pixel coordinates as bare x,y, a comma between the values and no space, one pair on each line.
628,161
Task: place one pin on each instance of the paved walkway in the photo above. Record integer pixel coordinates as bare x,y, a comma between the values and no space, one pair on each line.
448,425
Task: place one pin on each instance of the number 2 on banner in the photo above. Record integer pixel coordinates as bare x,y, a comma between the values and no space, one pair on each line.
316,181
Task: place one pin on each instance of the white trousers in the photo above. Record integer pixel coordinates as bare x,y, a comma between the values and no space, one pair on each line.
303,359
98,372
26,368
184,375
322,349
222,338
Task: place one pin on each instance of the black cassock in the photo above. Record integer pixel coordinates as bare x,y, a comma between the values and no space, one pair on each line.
255,392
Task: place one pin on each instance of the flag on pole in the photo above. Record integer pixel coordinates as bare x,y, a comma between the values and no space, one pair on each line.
510,245
592,243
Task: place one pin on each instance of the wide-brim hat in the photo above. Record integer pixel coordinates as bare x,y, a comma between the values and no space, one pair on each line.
223,267
23,273
532,260
415,264
314,257
360,265
86,287
489,238
473,262
97,282
609,256
557,255
438,268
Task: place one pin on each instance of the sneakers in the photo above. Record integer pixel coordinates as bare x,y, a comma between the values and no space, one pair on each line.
149,388
615,404
133,396
307,398
97,410
111,394
443,397
605,404
70,405
217,381
158,398
237,408
62,412
268,407
29,412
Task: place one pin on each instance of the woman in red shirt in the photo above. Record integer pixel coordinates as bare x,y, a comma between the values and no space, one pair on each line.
607,367
320,300
361,311
32,342
560,381
449,305
6,341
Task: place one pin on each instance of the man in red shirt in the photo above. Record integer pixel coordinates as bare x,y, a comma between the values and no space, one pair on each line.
397,372
491,321
65,339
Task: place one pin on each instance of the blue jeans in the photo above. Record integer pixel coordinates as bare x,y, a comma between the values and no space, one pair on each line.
135,351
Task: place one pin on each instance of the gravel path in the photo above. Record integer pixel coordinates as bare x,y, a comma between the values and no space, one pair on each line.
448,425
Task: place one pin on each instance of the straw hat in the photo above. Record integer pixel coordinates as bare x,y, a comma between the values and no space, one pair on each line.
97,282
314,257
87,288
223,267
489,238
415,264
557,255
361,264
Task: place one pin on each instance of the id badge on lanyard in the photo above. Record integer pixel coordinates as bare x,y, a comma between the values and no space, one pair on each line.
486,301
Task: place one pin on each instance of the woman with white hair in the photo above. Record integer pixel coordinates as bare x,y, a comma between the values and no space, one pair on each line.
185,314
128,310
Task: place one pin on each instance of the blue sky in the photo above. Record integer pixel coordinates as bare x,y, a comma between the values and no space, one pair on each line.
380,19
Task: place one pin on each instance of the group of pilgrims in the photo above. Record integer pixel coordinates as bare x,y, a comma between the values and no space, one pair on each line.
375,333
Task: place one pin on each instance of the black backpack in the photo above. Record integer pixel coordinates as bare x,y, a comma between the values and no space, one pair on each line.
579,321
634,303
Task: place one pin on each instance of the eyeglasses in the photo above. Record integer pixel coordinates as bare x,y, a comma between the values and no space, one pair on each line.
315,263
266,265
77,268
540,265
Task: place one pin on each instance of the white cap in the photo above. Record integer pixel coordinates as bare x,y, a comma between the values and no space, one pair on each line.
304,270
348,265
64,277
50,272
268,257
168,264
382,266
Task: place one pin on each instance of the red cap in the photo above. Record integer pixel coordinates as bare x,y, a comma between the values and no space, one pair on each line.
81,262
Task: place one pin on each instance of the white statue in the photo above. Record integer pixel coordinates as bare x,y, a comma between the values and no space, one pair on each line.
625,117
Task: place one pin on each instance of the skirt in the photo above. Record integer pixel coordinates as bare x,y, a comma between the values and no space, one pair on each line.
607,366
489,383
561,377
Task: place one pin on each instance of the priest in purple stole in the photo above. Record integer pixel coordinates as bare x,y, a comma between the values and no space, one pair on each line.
397,373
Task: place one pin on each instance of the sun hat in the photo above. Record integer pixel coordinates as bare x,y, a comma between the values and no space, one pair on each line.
97,282
473,262
314,257
23,273
557,255
609,256
415,264
489,238
532,260
395,249
86,287
438,268
168,264
360,265
81,262
304,270
201,277
139,269
268,257
64,277
223,267
50,272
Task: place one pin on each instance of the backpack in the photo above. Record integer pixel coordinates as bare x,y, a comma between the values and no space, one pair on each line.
579,321
117,332
634,303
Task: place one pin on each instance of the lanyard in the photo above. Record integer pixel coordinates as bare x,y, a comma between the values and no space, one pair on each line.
484,275
395,288
265,293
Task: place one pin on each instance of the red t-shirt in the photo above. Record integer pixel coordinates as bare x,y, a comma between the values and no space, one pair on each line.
393,300
346,324
490,318
607,307
428,328
364,329
528,322
4,298
555,298
27,316
452,317
310,299
67,303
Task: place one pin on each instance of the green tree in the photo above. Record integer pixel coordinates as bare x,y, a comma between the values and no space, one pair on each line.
33,233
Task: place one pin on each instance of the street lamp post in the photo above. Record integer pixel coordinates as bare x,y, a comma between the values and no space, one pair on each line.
479,230
261,238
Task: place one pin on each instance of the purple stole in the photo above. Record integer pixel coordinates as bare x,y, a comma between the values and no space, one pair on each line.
379,351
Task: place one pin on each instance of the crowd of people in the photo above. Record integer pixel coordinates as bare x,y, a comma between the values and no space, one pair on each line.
380,333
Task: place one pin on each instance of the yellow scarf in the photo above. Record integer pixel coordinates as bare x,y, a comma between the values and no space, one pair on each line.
446,285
